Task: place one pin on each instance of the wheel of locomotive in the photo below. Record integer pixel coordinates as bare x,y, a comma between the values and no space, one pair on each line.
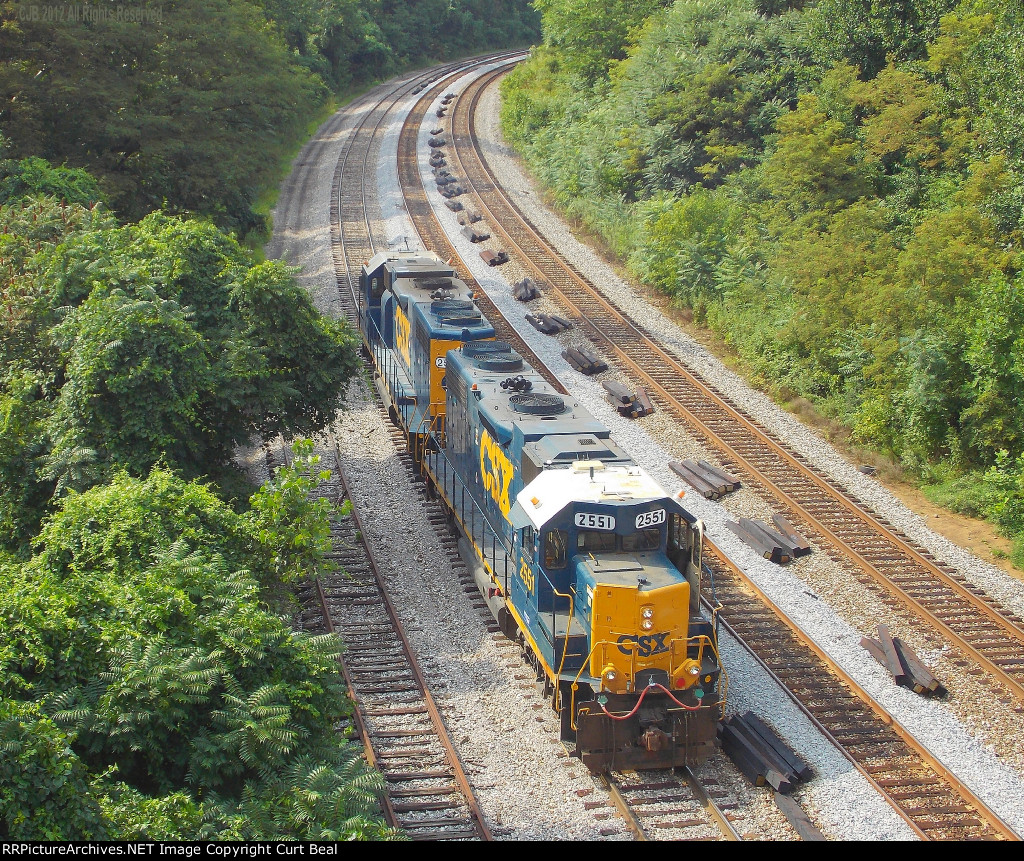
538,668
415,448
546,688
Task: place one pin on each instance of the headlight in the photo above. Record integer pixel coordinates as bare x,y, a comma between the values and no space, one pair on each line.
647,612
647,624
694,670
611,676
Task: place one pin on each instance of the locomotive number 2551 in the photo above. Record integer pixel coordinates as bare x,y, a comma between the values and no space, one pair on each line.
650,518
595,521
526,575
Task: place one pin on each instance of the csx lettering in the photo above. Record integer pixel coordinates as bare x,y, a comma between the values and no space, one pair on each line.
402,331
646,645
496,471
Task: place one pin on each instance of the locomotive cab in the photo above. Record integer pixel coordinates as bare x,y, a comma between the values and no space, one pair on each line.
608,593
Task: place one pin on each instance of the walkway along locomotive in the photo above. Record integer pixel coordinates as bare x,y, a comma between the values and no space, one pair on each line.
583,558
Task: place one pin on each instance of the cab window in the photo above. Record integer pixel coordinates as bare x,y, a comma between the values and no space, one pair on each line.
556,545
645,539
590,541
526,541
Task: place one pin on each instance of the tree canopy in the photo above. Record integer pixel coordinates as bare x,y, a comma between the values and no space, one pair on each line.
191,105
836,188
146,691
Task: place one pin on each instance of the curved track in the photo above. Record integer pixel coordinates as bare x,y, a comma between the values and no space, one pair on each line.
829,514
428,794
927,796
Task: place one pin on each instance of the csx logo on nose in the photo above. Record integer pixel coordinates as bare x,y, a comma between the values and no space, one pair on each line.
646,645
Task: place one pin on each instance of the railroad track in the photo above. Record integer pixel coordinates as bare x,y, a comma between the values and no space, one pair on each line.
428,794
829,514
434,238
928,796
675,805
353,194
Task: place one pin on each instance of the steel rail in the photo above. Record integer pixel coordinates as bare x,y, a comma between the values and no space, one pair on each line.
679,778
435,715
357,714
773,453
921,750
710,805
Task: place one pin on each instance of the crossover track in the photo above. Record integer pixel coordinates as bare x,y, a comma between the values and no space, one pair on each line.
829,514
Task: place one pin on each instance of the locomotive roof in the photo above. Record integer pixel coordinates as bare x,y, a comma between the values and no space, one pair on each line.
538,411
409,264
554,489
444,305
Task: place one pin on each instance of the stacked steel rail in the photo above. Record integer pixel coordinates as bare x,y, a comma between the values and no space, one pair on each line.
925,793
827,513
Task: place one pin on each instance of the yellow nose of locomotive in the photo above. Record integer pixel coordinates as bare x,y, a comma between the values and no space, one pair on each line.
637,630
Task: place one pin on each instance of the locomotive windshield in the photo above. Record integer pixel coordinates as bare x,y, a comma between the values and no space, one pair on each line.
590,541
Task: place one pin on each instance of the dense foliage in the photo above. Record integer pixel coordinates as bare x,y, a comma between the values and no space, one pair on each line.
189,105
148,686
156,342
147,692
834,187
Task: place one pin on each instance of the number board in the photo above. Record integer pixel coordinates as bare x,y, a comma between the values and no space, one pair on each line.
650,518
595,521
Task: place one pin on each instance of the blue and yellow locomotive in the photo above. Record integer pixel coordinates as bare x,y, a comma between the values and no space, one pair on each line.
583,558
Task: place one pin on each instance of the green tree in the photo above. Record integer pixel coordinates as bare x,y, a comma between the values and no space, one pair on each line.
292,525
34,176
45,789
